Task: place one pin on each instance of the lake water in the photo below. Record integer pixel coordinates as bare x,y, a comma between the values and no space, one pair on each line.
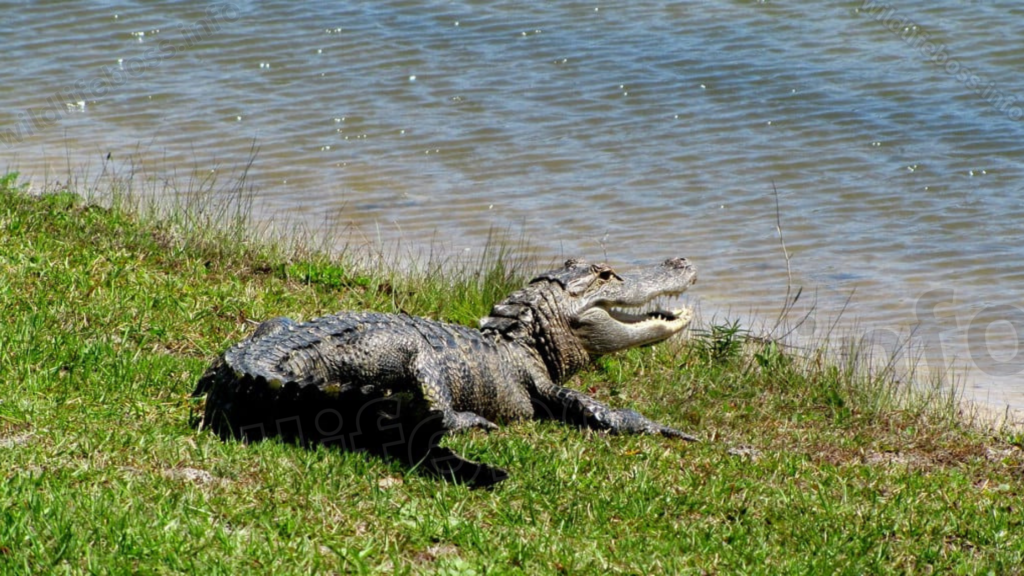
892,132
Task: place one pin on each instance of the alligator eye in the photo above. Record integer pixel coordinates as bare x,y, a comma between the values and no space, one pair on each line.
607,274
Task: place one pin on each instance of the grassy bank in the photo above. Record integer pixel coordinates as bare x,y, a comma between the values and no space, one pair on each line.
108,319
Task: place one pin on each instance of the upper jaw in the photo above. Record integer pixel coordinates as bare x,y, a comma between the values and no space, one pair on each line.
671,278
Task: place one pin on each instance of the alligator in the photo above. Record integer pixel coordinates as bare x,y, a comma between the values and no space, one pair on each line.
396,384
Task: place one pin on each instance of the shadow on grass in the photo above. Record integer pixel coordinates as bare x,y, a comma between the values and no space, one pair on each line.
390,427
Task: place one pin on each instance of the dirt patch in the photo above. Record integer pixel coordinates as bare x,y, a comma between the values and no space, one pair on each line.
435,552
874,458
15,440
748,452
191,475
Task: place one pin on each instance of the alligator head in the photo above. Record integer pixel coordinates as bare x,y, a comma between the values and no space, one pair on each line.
580,310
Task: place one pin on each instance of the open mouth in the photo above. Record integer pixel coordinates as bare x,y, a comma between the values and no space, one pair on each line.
654,315
603,330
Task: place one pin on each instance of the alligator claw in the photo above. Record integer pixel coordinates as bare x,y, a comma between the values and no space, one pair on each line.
467,420
673,433
632,421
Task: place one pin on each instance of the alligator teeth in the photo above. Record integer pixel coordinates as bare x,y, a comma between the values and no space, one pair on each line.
682,315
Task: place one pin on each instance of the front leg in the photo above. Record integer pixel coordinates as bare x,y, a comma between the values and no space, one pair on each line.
574,407
434,385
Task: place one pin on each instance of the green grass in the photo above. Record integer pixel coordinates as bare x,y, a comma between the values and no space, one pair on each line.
110,315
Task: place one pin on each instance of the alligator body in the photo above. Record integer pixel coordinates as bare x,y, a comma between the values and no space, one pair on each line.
396,384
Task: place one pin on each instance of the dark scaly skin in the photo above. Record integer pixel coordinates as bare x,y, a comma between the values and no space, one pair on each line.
395,384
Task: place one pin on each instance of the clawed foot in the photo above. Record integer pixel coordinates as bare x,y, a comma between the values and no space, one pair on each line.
467,420
633,421
673,433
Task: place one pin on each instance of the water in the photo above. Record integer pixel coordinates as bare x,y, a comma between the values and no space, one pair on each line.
632,133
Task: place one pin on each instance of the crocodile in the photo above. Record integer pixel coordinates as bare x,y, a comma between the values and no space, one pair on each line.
396,384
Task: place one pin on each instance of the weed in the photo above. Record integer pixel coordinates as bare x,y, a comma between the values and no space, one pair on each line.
720,343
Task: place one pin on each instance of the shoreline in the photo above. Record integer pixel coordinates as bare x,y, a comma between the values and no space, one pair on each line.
401,254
